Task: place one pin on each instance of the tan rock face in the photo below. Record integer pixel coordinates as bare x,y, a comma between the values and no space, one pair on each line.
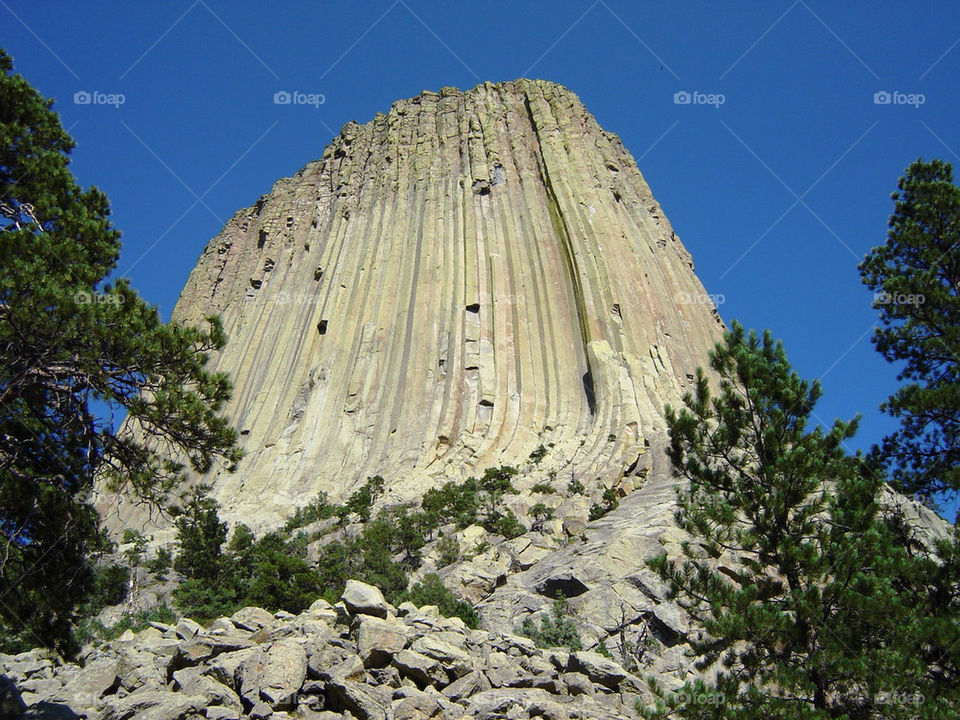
452,284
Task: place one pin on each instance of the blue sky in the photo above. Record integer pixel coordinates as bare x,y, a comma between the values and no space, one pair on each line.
777,192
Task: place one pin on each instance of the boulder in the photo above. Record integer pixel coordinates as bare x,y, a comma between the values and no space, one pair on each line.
225,668
464,687
97,679
379,640
215,693
363,701
421,669
253,619
577,683
417,706
456,661
152,704
274,675
598,668
187,628
363,599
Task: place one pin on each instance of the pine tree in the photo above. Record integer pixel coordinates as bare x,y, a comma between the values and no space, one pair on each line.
916,278
70,345
822,611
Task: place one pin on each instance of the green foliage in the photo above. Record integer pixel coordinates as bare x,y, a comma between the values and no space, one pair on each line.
138,542
449,550
504,523
543,488
279,578
575,487
828,607
110,585
916,280
75,349
431,591
542,512
555,630
200,536
361,502
453,503
498,481
270,572
473,501
93,630
538,454
317,509
161,562
610,501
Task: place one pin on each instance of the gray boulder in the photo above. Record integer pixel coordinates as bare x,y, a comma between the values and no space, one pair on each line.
363,599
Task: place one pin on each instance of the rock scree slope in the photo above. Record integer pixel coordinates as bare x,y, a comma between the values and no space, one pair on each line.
451,285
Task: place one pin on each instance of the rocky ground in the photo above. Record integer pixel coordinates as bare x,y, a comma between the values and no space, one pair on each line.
361,658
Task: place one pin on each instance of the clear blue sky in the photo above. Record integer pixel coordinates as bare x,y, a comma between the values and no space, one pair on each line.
777,192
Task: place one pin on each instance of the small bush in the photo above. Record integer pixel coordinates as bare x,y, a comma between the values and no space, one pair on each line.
110,585
538,454
544,488
575,487
610,501
555,630
159,564
505,524
317,509
542,512
94,630
449,551
431,591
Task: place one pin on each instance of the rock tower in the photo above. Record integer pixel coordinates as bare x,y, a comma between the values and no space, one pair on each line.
450,286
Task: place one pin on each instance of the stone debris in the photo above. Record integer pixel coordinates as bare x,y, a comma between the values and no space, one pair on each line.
418,666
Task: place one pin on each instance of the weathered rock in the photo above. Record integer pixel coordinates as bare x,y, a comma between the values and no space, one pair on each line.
364,599
598,668
466,686
364,701
379,640
417,707
215,693
577,683
225,668
151,704
274,674
421,669
187,628
218,712
253,618
508,270
97,679
456,661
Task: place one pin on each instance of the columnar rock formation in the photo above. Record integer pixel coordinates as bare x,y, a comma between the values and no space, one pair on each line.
453,284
